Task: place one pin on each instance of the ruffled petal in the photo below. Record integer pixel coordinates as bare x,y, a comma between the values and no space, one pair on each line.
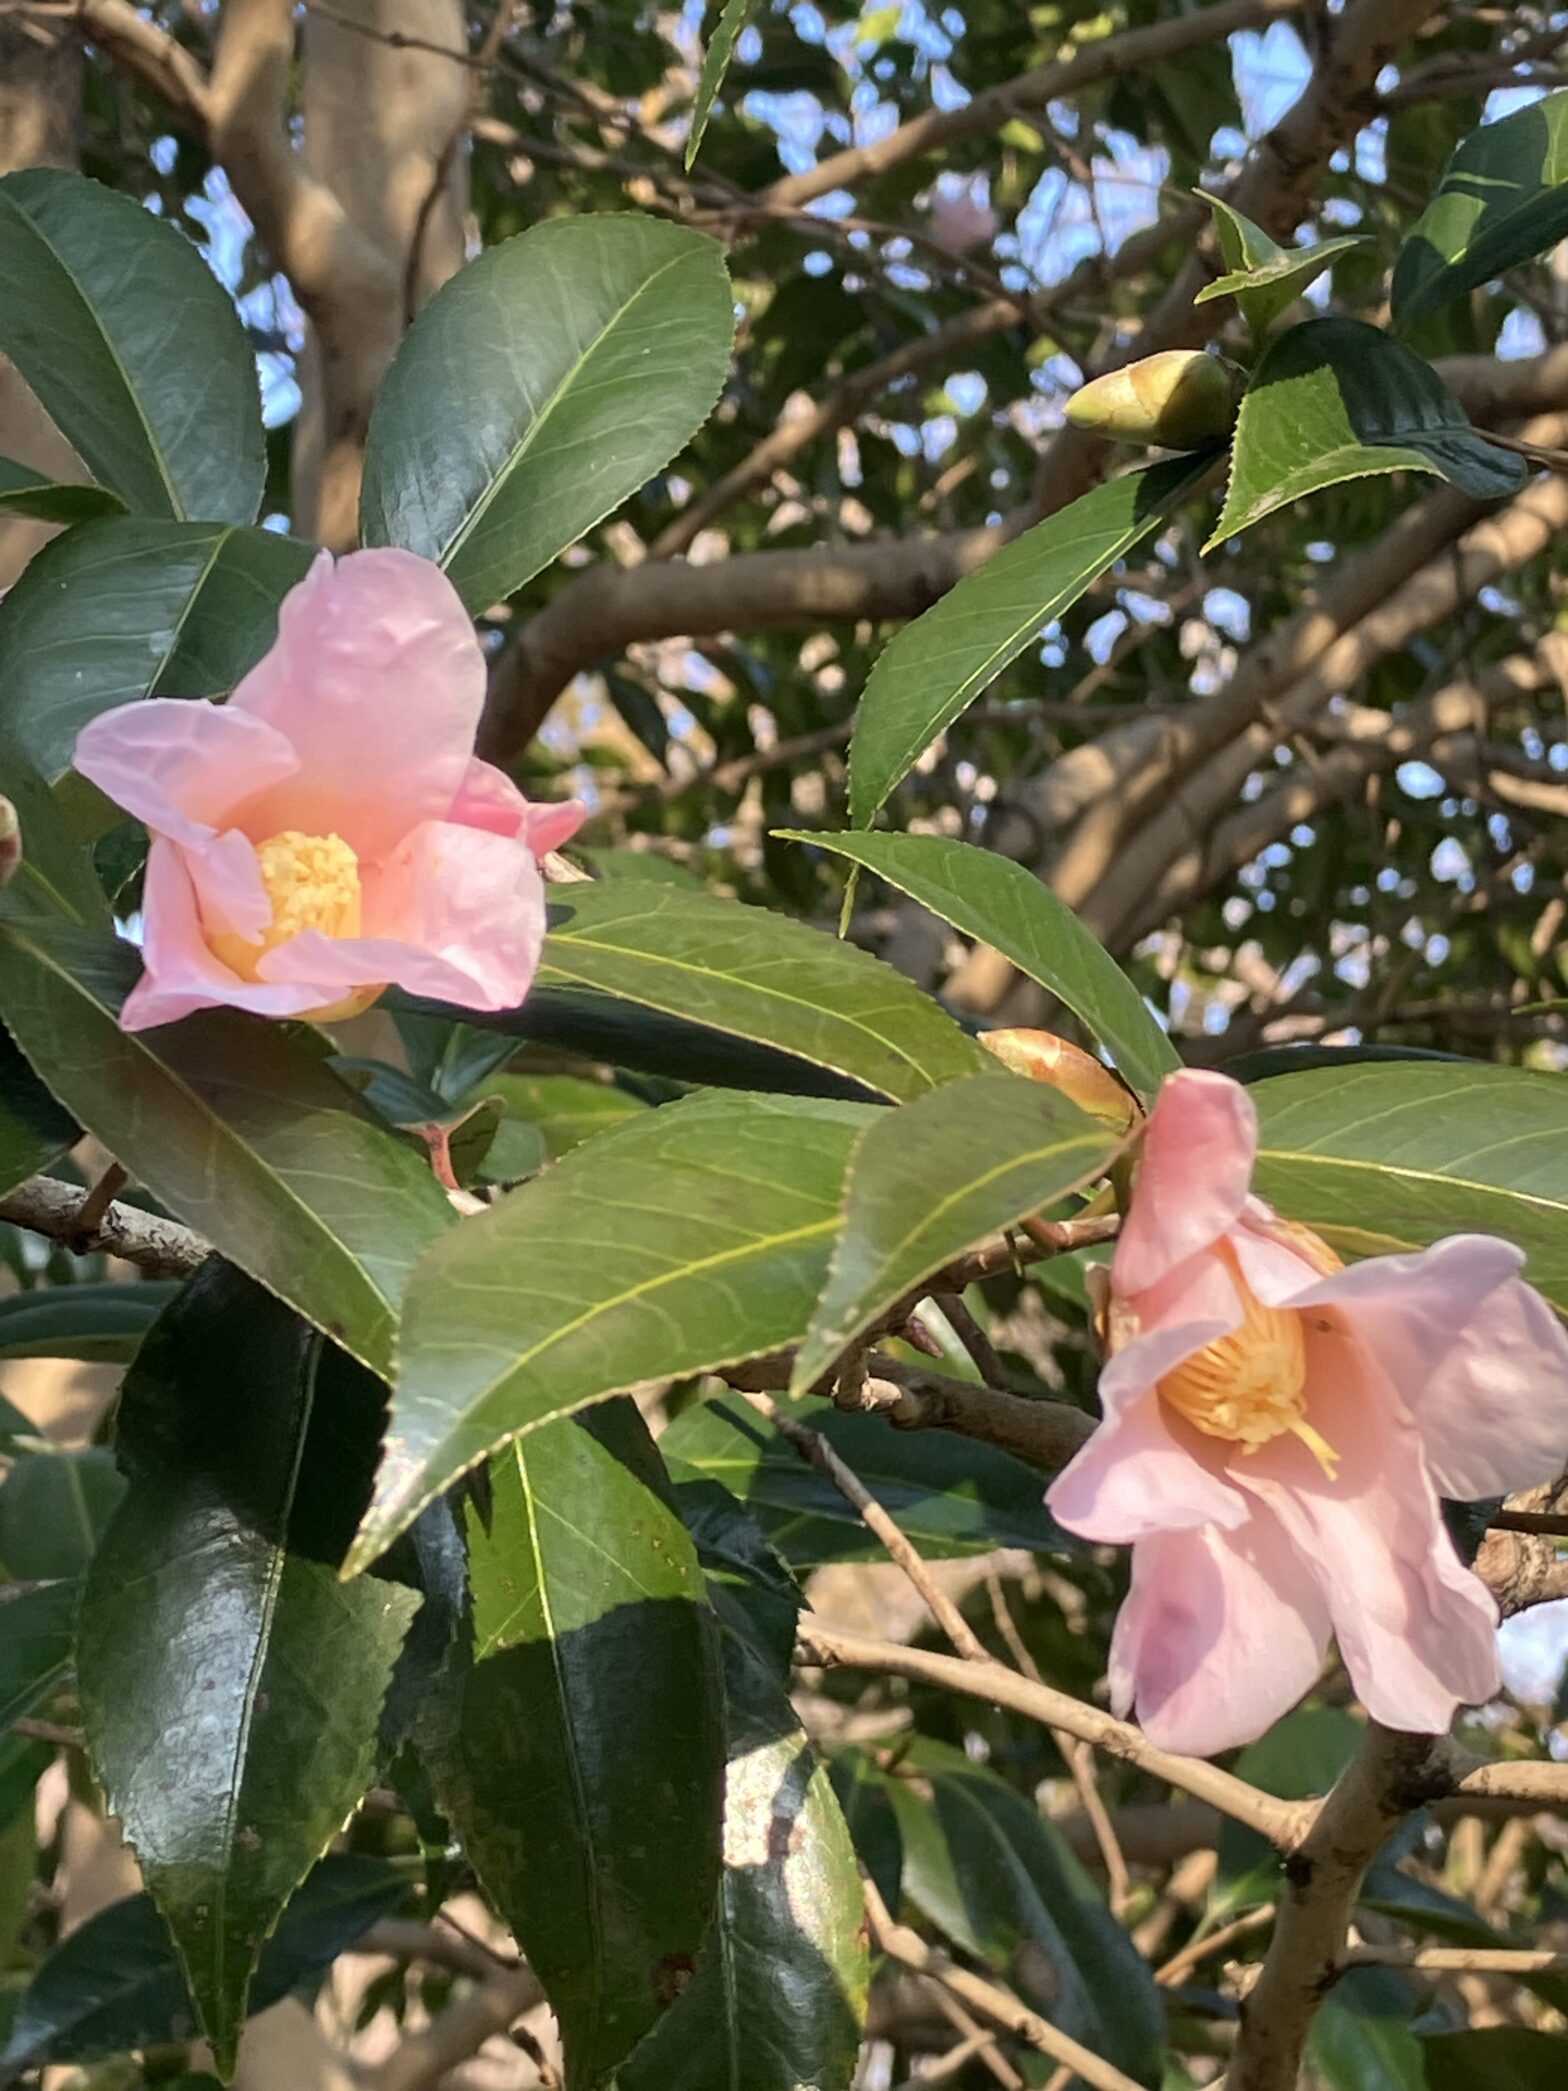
1221,1634
454,913
1198,1151
376,679
1416,1628
489,799
180,765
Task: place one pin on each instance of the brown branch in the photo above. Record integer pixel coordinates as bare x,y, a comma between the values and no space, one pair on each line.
162,1248
406,1939
1460,1960
422,2060
1282,1822
1175,1971
1534,1783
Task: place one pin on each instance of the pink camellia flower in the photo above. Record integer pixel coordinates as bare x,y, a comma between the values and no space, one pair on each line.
1277,1432
329,831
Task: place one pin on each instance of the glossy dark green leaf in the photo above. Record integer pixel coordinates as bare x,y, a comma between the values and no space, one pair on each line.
750,1585
757,976
539,389
1335,399
115,1983
97,1324
1363,2051
54,1505
133,346
1006,906
934,1179
691,1236
28,493
866,1796
37,1634
949,1505
231,1683
1503,199
941,663
716,58
587,1767
1494,2058
155,609
34,1131
240,1131
988,1869
1386,1157
778,1998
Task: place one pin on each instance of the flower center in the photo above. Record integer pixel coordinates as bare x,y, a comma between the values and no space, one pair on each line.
312,882
1249,1387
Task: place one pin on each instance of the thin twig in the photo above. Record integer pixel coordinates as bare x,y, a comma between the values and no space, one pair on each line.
162,1248
1460,1960
1180,1965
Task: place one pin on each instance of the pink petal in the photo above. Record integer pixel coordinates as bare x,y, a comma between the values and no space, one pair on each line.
1416,1628
1222,1632
1273,1267
181,974
489,799
1198,1153
1477,1357
377,679
455,913
180,765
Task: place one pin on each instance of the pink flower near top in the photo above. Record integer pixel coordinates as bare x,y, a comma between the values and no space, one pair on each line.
1277,1432
329,831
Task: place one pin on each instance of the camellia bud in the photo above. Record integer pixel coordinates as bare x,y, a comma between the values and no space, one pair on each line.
1044,1057
10,842
1181,398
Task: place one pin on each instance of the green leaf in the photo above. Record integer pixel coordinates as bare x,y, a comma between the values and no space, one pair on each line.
114,1982
1335,399
1298,1759
750,1586
231,1683
54,1506
1360,2051
133,347
715,64
55,875
1386,1157
996,1877
1007,907
588,1762
930,1181
778,1999
942,662
756,976
1264,290
28,493
1503,199
127,607
1494,2058
691,1236
238,1129
539,389
97,1324
34,1131
866,1793
948,1508
566,1109
37,1633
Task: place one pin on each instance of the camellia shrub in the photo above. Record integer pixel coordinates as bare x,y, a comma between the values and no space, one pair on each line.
528,1271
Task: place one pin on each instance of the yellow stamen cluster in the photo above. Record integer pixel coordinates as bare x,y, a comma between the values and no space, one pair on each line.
1249,1387
312,882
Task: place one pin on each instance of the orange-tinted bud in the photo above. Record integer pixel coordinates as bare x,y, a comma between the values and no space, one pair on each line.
1181,398
1044,1057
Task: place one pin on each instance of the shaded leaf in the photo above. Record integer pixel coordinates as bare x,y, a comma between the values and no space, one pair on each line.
156,610
539,389
54,1505
115,1983
1363,2051
231,1683
133,347
238,1129
1298,1759
1006,906
587,1765
1335,399
1503,199
934,1179
778,1998
37,1632
715,64
1494,2058
750,1585
936,666
693,1235
1385,1157
97,1324
34,1131
56,875
947,1507
866,1794
566,1109
28,493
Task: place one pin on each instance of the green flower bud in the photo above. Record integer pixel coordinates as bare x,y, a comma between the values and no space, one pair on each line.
1181,398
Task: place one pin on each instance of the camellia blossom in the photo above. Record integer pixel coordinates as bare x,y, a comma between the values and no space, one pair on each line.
1277,1432
329,831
